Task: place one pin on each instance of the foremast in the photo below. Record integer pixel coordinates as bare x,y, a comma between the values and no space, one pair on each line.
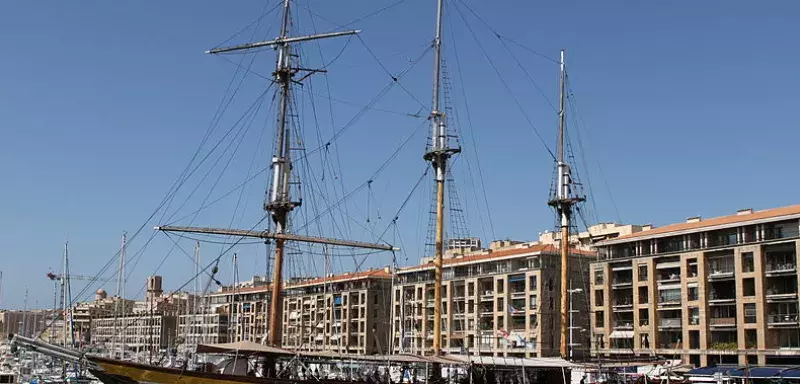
563,203
440,151
280,203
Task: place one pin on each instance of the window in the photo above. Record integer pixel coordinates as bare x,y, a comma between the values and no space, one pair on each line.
644,317
470,289
500,286
692,293
749,287
643,272
598,297
747,262
533,284
691,267
644,297
750,313
533,302
501,305
694,339
644,341
750,338
599,277
551,303
694,315
550,285
599,319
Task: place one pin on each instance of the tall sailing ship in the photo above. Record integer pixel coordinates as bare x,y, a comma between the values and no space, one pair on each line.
279,206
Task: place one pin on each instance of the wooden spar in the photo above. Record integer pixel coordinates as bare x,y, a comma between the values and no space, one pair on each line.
277,236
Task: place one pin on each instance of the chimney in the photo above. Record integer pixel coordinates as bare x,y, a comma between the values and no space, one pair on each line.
647,227
387,269
694,219
745,211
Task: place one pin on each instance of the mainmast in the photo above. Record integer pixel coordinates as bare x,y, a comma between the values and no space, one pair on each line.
563,203
438,155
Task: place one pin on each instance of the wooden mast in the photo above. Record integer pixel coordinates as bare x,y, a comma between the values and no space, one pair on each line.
563,203
280,203
439,153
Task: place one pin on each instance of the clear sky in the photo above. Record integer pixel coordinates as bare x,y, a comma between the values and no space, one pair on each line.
685,108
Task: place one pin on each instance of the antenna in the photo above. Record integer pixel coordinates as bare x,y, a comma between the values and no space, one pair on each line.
437,155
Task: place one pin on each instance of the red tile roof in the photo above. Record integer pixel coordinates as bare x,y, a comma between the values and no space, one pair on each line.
491,254
369,274
715,221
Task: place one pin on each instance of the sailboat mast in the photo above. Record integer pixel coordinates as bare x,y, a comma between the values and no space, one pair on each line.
564,207
280,203
438,155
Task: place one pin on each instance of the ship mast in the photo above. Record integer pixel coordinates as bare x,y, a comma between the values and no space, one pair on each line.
438,155
280,203
563,203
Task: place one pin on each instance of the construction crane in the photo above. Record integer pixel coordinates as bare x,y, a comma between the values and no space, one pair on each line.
59,277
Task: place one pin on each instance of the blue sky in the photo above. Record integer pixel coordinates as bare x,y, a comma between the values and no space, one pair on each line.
688,108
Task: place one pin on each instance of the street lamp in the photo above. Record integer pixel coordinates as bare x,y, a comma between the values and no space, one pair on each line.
571,311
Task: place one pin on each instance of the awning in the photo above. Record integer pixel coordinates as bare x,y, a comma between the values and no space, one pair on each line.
668,286
514,279
242,347
319,337
710,371
621,334
691,285
294,315
337,300
622,267
674,264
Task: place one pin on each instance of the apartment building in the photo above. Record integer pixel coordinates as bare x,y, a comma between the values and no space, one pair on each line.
585,240
347,313
501,301
711,291
246,309
208,328
136,333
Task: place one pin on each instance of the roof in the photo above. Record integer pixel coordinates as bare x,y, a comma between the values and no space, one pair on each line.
368,274
773,213
239,290
495,254
753,373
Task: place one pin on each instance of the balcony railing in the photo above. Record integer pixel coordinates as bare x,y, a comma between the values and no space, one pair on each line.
722,321
624,325
782,318
782,291
622,281
644,322
781,267
669,323
623,301
715,296
716,273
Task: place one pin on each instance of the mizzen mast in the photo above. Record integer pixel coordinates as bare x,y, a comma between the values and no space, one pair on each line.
563,203
440,151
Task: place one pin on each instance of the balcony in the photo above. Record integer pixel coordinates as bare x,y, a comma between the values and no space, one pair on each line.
623,302
669,323
715,297
624,325
487,295
721,273
780,268
781,293
783,319
622,281
722,322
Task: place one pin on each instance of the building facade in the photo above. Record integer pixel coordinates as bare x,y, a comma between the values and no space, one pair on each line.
245,309
211,328
347,313
712,291
502,301
134,333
